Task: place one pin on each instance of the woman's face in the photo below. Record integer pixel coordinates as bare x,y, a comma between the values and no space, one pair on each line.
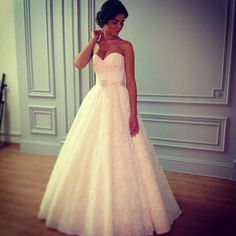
115,25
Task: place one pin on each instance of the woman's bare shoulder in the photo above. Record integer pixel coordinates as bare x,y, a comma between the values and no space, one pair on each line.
126,46
125,43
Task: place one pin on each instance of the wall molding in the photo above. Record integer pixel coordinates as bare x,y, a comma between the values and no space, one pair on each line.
219,123
32,90
76,48
70,41
91,27
39,128
218,95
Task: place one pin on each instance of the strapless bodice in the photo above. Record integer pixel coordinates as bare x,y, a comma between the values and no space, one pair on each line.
110,70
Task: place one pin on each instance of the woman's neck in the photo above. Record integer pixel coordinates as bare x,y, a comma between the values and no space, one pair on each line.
108,36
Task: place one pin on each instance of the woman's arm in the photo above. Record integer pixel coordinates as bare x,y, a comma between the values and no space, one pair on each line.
131,86
83,58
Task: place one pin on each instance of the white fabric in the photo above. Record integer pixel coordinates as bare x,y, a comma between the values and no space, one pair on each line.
104,182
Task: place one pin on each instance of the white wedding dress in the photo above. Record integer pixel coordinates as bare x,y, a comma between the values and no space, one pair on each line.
105,182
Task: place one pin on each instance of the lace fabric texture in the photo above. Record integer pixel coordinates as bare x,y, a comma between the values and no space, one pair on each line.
105,182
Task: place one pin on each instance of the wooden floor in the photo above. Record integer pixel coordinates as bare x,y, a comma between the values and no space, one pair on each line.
208,204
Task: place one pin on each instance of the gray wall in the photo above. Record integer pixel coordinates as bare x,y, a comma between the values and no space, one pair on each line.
184,56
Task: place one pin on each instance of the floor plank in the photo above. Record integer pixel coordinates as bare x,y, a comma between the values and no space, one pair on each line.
208,204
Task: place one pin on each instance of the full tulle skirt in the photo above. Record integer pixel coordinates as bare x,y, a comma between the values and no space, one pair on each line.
105,182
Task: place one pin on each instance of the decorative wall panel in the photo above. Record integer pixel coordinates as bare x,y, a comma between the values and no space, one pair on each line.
187,57
194,132
39,48
43,120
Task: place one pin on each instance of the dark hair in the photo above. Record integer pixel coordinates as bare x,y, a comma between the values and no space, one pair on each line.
109,10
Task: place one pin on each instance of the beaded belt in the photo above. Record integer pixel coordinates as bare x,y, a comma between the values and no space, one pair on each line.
105,83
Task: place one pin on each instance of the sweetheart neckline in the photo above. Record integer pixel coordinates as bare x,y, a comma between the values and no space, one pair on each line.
108,55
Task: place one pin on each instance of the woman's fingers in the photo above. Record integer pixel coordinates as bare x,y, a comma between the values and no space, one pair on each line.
97,34
134,128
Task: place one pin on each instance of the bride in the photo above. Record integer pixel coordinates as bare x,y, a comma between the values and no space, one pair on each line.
107,180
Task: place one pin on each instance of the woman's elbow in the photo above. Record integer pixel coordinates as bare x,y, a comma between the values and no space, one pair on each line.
79,65
78,62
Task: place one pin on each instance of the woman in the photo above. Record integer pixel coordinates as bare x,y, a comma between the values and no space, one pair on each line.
107,180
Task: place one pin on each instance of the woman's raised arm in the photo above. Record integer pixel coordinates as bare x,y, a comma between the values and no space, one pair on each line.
83,58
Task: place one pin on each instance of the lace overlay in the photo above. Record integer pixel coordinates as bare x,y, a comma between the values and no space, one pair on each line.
105,182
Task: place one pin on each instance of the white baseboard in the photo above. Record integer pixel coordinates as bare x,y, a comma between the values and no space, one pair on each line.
12,137
199,167
44,148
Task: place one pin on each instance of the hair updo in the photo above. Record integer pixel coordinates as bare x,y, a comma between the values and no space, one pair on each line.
109,10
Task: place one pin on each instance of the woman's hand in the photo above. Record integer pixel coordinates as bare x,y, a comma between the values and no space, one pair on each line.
133,125
97,36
